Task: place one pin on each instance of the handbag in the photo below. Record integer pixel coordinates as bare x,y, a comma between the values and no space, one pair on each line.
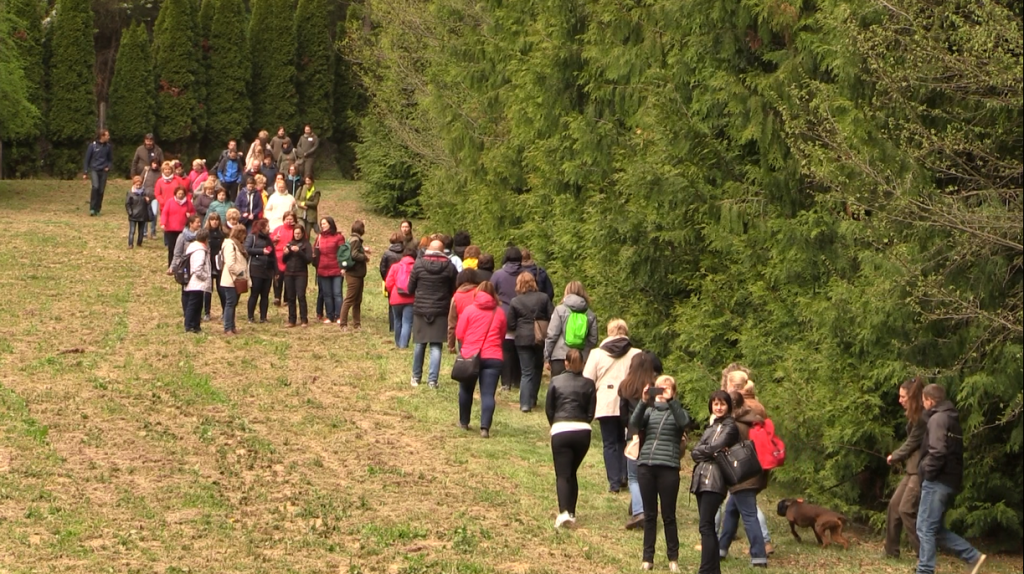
633,447
467,369
241,285
738,463
316,252
540,331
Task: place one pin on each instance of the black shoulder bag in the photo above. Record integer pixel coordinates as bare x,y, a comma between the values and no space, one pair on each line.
738,463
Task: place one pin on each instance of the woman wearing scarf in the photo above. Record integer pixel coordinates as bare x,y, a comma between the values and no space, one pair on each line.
137,205
308,200
279,204
293,181
287,158
280,236
236,266
202,199
174,215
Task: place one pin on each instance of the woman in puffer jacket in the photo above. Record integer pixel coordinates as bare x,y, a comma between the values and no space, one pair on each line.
743,496
707,482
662,420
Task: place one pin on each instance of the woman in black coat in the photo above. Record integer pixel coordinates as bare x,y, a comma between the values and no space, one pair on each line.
527,308
707,483
262,265
298,254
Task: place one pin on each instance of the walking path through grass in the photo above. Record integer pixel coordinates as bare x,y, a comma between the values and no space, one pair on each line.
128,446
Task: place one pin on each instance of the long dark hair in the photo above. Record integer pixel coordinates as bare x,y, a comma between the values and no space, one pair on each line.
914,405
332,227
641,374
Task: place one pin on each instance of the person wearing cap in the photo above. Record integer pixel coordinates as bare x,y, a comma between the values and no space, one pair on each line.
146,154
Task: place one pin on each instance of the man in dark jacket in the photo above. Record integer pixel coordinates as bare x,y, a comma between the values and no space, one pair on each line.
432,283
306,150
98,158
146,154
942,473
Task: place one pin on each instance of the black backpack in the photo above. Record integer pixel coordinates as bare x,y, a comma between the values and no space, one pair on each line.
183,274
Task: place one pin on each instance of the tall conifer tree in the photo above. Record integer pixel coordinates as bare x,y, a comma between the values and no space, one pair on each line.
177,62
24,31
227,104
132,103
72,110
272,50
315,69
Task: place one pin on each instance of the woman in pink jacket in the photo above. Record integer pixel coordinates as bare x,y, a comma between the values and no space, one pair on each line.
400,300
481,329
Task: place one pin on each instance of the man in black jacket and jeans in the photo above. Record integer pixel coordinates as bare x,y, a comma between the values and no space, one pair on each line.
942,474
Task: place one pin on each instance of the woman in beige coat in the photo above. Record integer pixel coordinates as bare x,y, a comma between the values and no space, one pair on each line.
235,265
607,366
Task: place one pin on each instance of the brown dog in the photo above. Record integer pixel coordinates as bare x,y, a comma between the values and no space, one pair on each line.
822,520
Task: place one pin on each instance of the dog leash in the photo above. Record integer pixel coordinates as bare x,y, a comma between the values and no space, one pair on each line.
844,481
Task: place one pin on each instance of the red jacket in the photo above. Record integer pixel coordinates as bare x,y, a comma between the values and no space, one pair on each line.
328,245
472,328
174,217
281,236
163,190
391,282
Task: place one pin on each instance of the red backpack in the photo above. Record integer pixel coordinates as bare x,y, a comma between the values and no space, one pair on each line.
771,451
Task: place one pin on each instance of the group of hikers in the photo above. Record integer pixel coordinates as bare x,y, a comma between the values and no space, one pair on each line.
507,329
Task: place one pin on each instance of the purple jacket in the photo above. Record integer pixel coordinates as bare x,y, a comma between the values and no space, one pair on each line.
504,281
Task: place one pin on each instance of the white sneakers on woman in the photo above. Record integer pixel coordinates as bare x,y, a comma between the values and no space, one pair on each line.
647,566
565,520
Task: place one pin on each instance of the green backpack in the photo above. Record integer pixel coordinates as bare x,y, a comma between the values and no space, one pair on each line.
576,330
345,260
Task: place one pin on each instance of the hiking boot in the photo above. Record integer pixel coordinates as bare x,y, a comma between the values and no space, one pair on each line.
976,567
635,522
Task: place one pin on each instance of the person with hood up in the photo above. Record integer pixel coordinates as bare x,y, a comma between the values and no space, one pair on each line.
563,320
278,204
707,483
250,203
391,256
308,201
198,175
137,205
287,158
174,215
742,500
200,280
480,330
539,273
355,277
220,205
608,366
262,267
280,236
328,273
464,296
229,171
400,302
504,281
527,309
297,256
431,284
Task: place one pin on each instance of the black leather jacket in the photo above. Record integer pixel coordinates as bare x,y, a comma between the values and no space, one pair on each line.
706,475
571,398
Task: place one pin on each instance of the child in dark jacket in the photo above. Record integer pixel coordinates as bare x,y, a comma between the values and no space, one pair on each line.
137,205
297,256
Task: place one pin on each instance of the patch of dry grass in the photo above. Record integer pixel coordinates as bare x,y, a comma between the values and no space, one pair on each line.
128,446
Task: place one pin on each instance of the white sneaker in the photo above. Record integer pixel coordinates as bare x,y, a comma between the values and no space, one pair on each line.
673,567
415,383
562,519
646,566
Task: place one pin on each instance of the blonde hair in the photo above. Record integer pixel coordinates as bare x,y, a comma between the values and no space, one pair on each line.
264,134
666,381
233,215
525,283
166,165
617,328
733,367
576,288
199,162
209,185
260,179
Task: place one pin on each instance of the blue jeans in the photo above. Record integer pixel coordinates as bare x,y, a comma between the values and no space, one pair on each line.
418,352
154,208
931,528
529,383
742,504
132,227
490,370
613,435
230,302
99,185
634,488
401,318
330,291
760,520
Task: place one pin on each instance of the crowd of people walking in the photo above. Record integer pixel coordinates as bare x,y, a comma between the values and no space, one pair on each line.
226,233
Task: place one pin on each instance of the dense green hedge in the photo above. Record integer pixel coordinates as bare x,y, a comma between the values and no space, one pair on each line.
314,76
72,110
177,61
227,103
780,184
272,57
132,112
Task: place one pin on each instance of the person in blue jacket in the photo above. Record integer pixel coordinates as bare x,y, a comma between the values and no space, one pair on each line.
99,156
250,203
230,170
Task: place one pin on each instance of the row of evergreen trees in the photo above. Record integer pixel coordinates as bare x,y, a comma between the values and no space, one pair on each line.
207,73
826,191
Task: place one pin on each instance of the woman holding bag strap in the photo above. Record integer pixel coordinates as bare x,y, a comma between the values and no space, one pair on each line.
481,329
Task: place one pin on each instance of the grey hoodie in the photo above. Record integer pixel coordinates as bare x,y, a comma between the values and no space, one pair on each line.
555,347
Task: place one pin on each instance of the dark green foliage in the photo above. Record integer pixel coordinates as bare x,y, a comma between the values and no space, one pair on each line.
349,96
315,66
272,53
227,103
132,104
178,66
72,107
780,184
21,68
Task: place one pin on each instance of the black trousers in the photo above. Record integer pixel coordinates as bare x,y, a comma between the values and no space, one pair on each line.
568,450
170,238
295,293
557,367
708,504
659,482
232,190
260,292
278,286
511,370
193,310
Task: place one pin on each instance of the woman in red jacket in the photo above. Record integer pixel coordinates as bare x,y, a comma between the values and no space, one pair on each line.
167,184
173,217
481,329
281,235
399,300
328,274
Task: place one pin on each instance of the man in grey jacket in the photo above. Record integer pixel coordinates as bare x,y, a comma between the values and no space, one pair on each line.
306,149
942,474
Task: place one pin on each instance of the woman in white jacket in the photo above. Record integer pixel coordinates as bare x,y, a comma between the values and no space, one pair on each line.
278,204
200,280
235,266
608,366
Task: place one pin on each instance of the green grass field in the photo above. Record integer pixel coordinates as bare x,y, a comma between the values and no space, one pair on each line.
129,446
